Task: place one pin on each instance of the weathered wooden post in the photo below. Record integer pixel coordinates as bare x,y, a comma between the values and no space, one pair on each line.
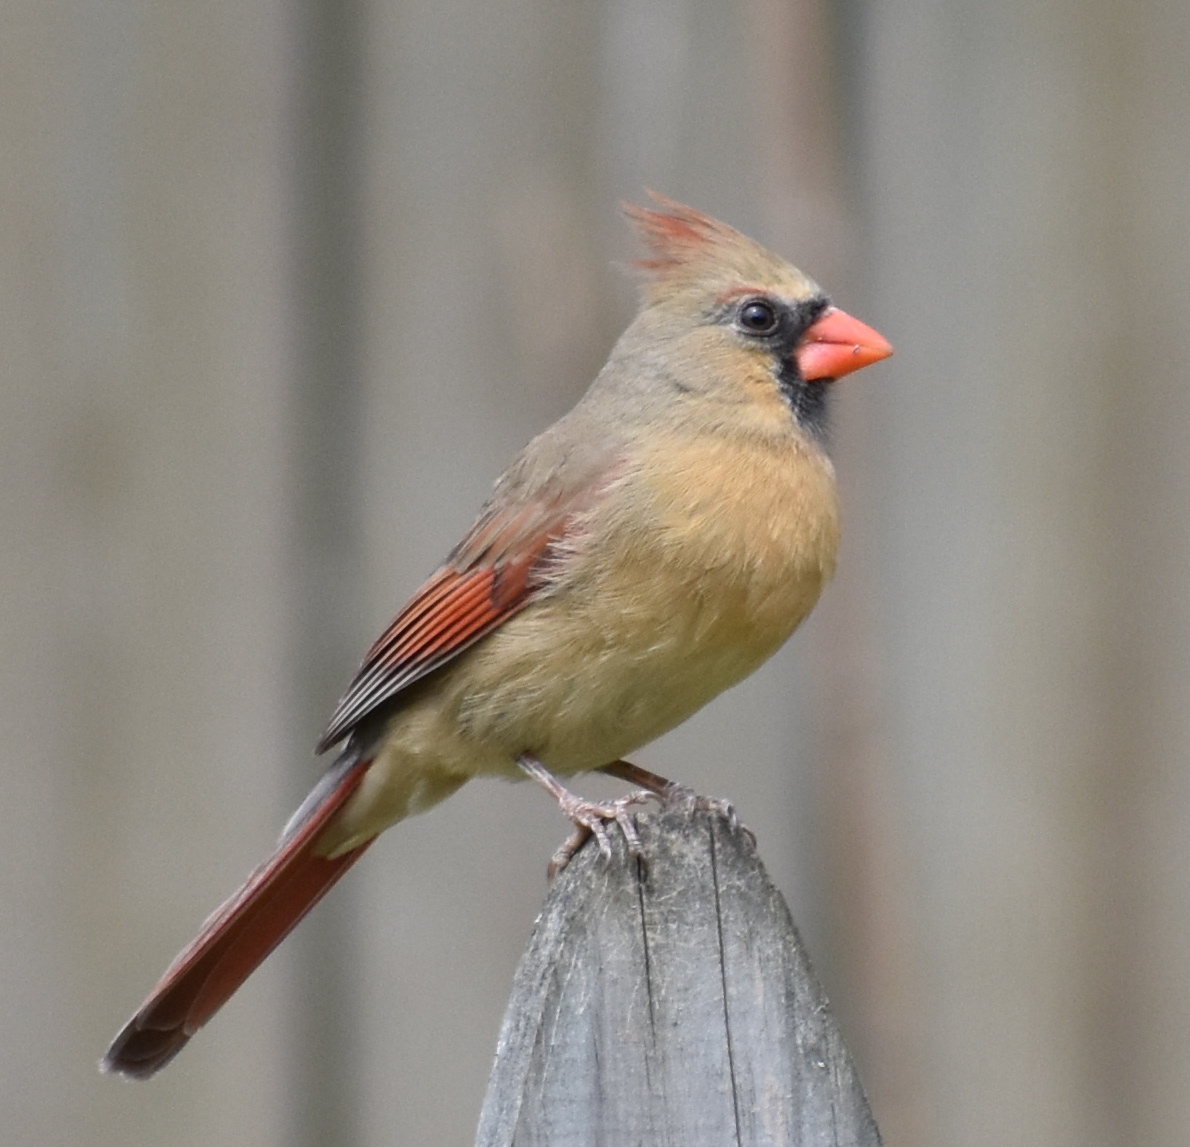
671,1006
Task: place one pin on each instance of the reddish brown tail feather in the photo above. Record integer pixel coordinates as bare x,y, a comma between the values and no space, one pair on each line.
239,935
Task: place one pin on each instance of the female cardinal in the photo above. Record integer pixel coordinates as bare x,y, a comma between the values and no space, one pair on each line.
644,553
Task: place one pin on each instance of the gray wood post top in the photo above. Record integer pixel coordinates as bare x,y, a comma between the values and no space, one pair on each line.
671,1004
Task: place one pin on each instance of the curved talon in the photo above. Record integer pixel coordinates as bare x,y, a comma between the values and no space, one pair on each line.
674,794
566,851
724,808
590,818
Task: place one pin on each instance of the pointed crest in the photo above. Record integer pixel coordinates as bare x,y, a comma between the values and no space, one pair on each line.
687,247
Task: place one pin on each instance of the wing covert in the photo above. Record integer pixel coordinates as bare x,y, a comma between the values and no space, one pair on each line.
490,576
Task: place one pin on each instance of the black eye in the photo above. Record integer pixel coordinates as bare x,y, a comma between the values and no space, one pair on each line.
758,317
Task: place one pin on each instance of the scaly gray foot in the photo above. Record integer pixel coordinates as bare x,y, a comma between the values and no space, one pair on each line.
590,818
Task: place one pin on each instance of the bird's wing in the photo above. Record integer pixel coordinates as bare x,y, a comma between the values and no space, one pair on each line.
491,575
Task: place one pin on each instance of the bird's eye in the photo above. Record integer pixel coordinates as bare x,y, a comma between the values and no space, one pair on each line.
758,317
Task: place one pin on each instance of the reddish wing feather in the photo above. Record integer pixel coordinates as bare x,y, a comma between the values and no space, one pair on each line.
489,577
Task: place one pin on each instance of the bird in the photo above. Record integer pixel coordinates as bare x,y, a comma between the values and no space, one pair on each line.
647,551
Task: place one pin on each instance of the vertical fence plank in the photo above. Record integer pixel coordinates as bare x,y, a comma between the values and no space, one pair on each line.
671,1002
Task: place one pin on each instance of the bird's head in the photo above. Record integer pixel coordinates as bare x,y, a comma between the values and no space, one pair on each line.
740,324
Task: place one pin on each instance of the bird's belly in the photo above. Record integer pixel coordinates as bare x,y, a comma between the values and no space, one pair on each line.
609,701
580,684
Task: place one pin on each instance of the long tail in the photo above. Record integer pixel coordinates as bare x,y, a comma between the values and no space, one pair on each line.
240,933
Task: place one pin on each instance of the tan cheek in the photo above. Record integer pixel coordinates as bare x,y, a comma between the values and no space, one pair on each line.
764,396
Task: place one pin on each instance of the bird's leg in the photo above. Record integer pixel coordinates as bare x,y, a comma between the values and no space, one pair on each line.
673,794
669,792
589,817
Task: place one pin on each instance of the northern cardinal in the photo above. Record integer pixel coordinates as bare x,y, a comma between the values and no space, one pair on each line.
644,553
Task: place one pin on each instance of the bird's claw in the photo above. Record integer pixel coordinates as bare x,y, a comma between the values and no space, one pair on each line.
719,806
675,795
679,796
591,818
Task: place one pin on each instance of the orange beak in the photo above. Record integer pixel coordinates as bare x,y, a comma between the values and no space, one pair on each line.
837,345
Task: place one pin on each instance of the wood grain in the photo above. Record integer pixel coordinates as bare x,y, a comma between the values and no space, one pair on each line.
671,1005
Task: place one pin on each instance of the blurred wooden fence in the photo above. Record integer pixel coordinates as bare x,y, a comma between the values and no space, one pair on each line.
284,285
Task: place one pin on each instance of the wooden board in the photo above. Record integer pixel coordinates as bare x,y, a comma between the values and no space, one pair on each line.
672,1005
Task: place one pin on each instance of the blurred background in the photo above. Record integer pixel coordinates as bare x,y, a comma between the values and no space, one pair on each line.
284,285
